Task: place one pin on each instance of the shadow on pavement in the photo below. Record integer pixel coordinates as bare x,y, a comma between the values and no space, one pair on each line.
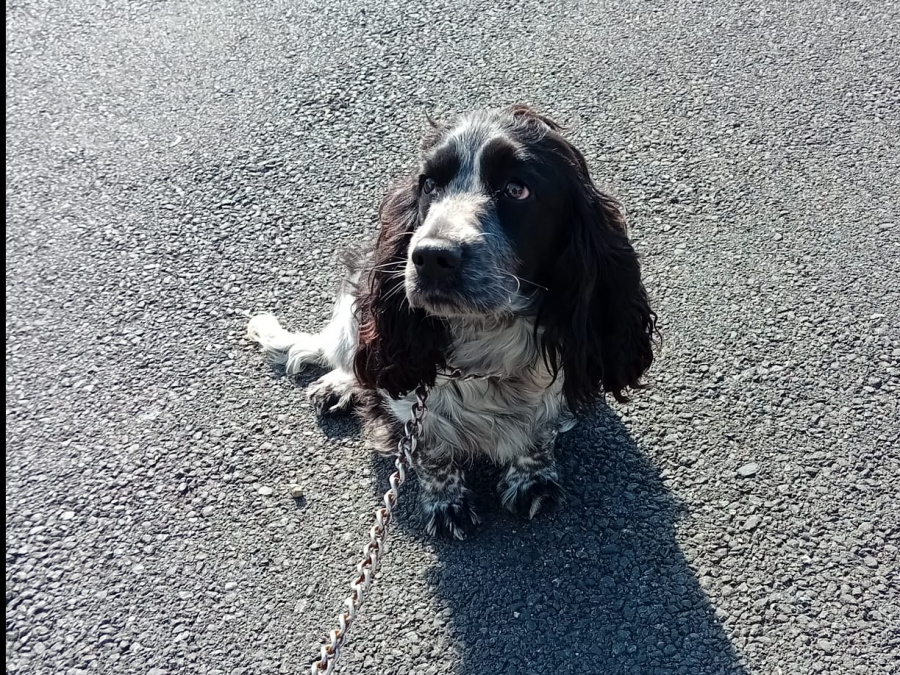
601,587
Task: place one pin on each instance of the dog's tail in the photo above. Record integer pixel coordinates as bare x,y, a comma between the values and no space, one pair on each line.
294,351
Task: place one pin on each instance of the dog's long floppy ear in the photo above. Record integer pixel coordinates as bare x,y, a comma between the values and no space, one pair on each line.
399,347
598,324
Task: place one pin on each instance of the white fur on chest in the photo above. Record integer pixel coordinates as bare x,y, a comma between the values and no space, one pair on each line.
501,416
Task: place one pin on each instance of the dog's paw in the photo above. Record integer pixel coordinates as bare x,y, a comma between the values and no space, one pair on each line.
452,518
526,494
327,402
332,393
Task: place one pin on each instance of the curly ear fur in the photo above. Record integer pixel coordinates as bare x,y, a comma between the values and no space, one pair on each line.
399,347
597,321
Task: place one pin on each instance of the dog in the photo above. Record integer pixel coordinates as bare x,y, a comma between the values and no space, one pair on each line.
504,281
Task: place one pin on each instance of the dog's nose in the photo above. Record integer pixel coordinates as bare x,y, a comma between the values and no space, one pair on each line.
436,258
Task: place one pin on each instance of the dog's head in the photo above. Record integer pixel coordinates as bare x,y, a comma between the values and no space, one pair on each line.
503,220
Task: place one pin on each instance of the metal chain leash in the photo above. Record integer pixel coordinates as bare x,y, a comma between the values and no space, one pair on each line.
375,547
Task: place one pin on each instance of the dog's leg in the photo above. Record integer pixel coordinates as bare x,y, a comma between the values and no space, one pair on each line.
531,482
446,503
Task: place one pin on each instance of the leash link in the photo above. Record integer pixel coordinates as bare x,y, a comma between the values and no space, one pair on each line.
377,544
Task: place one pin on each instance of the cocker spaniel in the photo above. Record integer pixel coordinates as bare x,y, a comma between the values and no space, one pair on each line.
504,280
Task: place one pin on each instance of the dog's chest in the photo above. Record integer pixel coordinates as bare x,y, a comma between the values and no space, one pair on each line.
501,418
508,399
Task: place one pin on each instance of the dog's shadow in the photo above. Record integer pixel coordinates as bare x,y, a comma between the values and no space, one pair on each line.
599,587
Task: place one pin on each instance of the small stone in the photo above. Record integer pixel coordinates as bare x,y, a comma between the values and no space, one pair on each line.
67,515
138,569
748,470
870,561
206,511
778,236
266,491
230,585
296,491
826,646
752,523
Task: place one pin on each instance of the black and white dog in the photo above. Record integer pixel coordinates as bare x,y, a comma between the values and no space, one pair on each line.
499,260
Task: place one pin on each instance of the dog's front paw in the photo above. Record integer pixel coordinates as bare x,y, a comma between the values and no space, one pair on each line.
453,517
526,494
331,393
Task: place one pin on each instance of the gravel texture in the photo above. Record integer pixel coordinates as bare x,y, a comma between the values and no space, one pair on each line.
174,507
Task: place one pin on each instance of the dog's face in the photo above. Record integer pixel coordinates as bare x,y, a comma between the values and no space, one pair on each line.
493,207
503,219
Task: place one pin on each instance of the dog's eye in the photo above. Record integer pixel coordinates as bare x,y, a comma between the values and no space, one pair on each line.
516,190
428,186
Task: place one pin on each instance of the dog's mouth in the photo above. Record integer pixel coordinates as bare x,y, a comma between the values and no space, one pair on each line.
486,300
439,302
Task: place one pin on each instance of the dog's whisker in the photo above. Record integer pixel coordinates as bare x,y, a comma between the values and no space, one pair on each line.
520,280
390,265
399,288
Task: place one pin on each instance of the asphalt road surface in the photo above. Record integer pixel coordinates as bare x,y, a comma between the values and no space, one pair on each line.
172,166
